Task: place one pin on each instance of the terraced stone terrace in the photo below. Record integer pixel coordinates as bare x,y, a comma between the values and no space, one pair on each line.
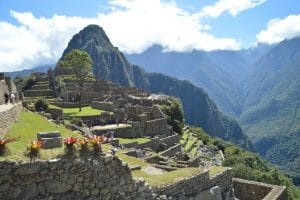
30,123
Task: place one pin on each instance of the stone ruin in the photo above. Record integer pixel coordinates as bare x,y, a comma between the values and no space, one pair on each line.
51,139
137,109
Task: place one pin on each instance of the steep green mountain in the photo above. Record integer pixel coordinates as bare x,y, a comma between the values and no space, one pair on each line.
110,64
272,119
260,87
199,68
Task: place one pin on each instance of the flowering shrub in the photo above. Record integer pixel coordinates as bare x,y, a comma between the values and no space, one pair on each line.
84,144
69,142
3,142
96,142
33,149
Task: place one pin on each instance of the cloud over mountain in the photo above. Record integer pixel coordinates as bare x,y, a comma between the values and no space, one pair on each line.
280,29
132,25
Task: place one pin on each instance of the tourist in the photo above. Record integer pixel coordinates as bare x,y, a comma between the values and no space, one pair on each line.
12,98
6,97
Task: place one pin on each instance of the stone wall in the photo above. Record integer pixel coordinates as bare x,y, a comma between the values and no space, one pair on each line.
10,84
8,117
133,111
156,127
69,104
252,190
157,113
192,187
37,93
107,106
156,143
170,140
3,89
102,177
171,151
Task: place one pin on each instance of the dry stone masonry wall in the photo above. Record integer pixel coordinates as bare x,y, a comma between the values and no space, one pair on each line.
8,117
104,177
98,177
3,89
252,190
196,186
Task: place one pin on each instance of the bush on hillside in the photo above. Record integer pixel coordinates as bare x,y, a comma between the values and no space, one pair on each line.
174,114
41,105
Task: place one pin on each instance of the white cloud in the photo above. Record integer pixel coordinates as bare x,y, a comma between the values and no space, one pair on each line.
280,29
132,25
233,7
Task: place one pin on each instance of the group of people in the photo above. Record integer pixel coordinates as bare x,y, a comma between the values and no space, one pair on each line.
9,97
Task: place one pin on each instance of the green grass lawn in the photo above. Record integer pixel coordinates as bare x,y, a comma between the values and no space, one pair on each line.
168,177
85,111
130,140
157,180
26,129
216,169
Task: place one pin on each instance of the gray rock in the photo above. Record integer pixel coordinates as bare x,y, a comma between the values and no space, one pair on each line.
28,168
53,186
29,192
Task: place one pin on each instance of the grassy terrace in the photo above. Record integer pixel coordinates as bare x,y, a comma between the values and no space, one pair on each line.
26,129
130,140
30,123
85,111
157,180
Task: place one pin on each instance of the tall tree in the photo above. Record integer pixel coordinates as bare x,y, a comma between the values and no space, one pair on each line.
81,64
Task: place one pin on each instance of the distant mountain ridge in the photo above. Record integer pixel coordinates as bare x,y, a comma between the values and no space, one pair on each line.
27,72
110,64
260,87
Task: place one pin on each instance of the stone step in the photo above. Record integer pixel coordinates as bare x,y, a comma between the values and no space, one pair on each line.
40,87
37,93
42,83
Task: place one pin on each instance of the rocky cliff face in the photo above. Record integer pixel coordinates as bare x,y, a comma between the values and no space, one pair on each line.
110,64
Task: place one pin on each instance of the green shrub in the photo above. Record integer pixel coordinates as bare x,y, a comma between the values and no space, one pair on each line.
174,114
77,121
41,105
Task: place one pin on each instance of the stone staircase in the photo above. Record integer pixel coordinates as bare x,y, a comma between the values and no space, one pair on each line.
39,90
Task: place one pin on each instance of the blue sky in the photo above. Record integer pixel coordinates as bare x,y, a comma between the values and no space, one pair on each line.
37,31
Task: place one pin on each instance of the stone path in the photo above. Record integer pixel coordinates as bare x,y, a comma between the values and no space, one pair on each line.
5,107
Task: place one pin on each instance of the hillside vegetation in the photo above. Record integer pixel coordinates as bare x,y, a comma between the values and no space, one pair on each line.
244,164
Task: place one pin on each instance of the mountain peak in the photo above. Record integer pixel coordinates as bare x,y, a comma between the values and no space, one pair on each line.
92,36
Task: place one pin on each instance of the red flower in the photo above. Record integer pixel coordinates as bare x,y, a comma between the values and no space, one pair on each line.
4,141
70,140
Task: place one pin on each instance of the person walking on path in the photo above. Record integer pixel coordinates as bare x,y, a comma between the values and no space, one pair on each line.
12,98
6,97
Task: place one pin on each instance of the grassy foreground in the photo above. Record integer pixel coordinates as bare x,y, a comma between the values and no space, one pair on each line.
26,129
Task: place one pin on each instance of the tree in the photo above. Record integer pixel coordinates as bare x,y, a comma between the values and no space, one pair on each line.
81,64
